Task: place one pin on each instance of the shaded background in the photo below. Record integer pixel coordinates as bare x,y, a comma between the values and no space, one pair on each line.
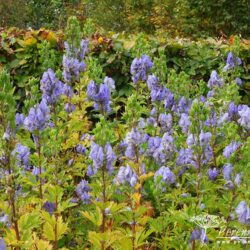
183,18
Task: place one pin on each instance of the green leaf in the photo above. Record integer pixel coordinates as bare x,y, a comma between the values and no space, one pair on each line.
61,228
95,218
29,221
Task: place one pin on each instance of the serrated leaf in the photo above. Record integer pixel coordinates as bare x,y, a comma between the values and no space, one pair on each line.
61,228
48,231
95,218
29,221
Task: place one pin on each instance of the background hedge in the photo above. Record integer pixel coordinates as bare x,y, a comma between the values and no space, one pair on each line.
192,18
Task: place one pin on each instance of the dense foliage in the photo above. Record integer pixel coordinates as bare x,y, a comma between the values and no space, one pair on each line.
166,167
28,53
192,18
37,13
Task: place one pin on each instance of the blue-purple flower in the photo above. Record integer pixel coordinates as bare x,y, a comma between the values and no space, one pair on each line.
38,117
80,149
82,191
110,82
210,93
244,114
224,118
3,160
96,155
184,157
92,90
100,157
22,154
183,105
158,91
164,176
227,171
49,207
91,170
238,81
184,123
68,91
167,144
36,171
232,62
155,150
233,111
69,108
165,121
213,173
84,49
19,120
169,100
230,149
153,144
207,152
161,149
102,99
70,162
51,87
191,140
141,123
140,68
203,98
151,121
7,133
214,80
2,244
199,234
110,158
4,219
212,121
205,138
87,137
73,63
126,175
243,213
78,53
237,179
72,68
100,95
133,141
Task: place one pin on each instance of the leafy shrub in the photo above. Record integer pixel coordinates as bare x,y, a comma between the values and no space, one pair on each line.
23,55
188,18
13,12
51,14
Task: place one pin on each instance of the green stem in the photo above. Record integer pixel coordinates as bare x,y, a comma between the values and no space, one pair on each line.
40,171
198,182
12,188
230,209
55,247
104,201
